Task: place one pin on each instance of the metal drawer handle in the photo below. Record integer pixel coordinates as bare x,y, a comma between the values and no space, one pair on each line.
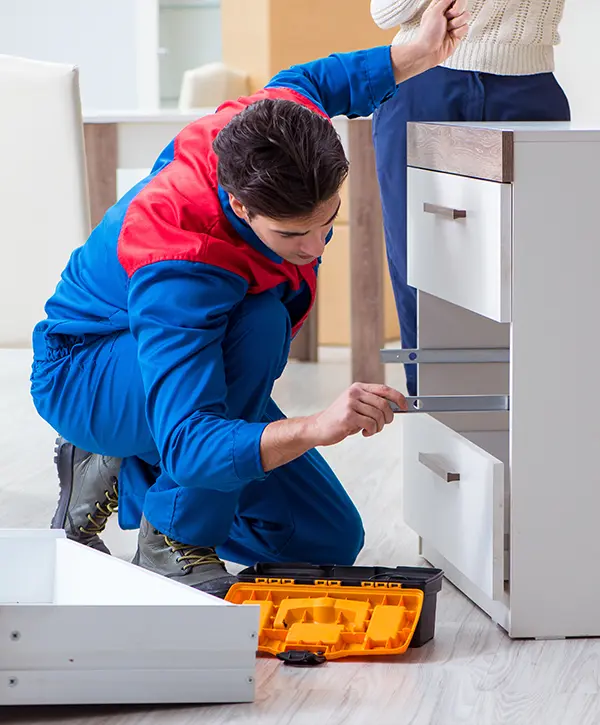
444,211
437,465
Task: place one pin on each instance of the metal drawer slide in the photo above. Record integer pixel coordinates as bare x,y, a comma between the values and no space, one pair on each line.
455,404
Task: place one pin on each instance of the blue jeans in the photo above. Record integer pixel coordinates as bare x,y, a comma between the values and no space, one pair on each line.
442,94
91,392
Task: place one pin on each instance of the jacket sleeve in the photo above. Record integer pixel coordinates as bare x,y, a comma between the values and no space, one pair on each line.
390,13
178,315
343,84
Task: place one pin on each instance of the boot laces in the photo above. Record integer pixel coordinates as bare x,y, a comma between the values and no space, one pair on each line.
192,556
103,510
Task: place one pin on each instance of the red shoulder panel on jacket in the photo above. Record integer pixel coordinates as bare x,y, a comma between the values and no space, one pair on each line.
173,215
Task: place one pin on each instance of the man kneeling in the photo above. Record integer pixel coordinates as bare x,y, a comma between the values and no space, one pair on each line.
171,323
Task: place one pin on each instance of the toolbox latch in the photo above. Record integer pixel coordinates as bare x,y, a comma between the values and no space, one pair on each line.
301,658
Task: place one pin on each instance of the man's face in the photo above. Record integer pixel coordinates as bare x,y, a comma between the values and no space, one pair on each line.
299,241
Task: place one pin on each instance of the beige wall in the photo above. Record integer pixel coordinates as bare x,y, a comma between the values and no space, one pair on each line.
333,298
262,37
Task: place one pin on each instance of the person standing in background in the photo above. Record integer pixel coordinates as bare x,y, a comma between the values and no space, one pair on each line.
502,71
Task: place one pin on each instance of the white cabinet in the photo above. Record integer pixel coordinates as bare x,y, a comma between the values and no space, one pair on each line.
507,502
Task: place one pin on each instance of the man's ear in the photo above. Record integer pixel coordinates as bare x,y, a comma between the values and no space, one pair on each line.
238,208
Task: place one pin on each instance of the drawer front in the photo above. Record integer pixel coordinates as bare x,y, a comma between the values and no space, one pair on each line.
459,241
454,499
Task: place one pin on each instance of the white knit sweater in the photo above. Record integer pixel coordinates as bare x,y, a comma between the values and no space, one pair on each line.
506,37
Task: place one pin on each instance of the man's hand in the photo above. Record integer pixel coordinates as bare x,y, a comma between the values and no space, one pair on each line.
443,25
362,407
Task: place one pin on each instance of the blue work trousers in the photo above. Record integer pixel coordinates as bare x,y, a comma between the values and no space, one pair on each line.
91,392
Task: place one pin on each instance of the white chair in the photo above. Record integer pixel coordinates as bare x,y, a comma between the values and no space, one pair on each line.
211,85
44,211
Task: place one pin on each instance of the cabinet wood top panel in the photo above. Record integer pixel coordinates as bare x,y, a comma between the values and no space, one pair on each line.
482,153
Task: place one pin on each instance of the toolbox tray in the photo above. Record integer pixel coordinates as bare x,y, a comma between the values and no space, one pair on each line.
330,619
426,579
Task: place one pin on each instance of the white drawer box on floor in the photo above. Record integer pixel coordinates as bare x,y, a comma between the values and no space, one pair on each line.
81,627
503,250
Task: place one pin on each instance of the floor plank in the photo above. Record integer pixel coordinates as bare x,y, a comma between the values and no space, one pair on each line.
470,674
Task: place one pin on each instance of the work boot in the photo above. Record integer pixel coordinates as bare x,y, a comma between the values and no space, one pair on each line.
197,566
88,496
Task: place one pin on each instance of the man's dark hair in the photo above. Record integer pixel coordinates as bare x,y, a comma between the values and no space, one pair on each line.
280,159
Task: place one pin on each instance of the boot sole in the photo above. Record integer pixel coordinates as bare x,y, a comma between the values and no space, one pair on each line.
64,464
217,590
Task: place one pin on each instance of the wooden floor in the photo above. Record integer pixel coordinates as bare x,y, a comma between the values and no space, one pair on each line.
472,673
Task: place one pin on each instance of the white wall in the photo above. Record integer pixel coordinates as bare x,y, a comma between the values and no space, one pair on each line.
578,59
114,43
190,36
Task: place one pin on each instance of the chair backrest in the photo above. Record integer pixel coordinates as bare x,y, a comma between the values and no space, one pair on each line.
44,207
211,85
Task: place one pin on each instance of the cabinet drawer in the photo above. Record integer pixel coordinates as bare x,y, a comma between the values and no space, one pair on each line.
454,500
459,241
